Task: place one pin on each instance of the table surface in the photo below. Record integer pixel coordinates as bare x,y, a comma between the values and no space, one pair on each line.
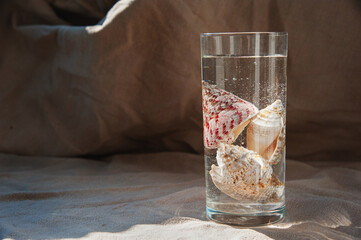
162,196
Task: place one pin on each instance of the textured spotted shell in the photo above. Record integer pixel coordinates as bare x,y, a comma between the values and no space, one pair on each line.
244,175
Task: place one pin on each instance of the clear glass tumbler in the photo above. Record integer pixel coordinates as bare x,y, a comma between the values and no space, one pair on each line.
244,125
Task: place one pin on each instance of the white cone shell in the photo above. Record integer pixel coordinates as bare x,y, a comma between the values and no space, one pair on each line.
266,132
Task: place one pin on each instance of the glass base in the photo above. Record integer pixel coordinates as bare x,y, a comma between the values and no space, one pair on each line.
247,220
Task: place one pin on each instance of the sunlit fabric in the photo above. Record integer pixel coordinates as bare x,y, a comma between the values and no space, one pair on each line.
103,100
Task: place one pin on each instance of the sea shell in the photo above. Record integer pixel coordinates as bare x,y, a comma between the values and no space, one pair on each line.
224,115
266,132
244,175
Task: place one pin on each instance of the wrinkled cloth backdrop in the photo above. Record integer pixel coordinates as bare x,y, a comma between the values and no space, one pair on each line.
92,78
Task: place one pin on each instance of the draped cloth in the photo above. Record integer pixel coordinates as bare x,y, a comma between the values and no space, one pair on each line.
103,100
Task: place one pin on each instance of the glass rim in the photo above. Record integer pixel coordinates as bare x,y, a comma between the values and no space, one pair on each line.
242,33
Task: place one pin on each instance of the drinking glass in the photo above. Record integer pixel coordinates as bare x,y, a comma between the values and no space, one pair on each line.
244,91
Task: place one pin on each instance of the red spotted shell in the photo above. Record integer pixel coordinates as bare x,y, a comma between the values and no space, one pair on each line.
224,115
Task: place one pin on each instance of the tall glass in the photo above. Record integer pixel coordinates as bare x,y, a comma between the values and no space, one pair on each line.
244,125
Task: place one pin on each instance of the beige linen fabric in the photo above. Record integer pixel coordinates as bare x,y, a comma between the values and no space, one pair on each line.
132,82
86,77
162,196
